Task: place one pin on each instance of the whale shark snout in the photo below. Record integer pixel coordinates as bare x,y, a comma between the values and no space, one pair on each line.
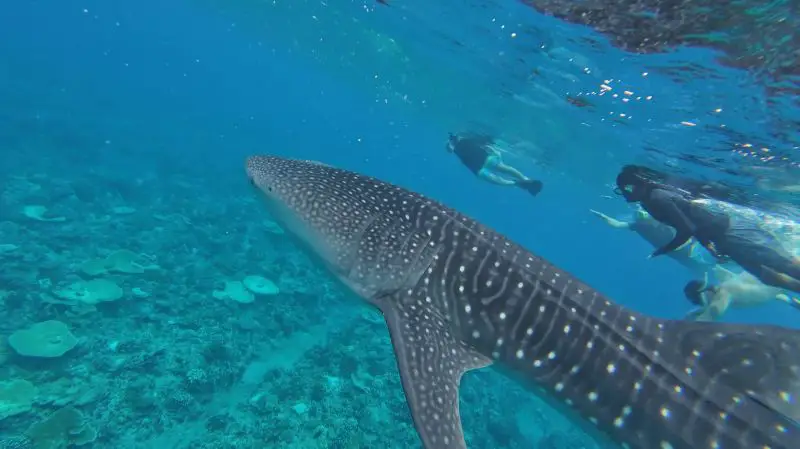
259,172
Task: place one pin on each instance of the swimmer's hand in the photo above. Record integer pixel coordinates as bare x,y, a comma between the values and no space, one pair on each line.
656,253
680,239
610,221
712,249
600,214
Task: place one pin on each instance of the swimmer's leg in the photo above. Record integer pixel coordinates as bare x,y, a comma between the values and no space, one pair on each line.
494,162
487,175
511,171
774,278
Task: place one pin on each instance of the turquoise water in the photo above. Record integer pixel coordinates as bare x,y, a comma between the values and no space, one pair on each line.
129,123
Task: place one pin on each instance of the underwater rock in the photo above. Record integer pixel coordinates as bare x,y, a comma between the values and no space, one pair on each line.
46,339
260,285
121,261
37,212
66,426
8,247
235,291
90,292
16,397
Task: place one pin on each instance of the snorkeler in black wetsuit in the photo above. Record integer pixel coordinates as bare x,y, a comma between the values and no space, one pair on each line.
753,248
479,155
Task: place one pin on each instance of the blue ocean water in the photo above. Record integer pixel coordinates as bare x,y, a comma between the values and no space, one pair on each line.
129,123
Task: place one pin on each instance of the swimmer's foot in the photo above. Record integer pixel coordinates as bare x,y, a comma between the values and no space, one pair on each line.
532,186
794,302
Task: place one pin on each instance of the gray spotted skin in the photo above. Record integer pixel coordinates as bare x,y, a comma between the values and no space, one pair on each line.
457,296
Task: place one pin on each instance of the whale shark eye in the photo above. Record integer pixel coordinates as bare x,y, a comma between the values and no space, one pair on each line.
255,184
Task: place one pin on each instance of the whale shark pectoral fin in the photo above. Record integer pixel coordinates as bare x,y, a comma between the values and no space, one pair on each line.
431,361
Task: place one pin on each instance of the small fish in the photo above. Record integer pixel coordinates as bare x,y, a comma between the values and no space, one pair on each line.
458,296
580,102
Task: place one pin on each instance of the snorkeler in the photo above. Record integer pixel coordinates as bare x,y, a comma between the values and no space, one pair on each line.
658,234
480,155
735,290
743,241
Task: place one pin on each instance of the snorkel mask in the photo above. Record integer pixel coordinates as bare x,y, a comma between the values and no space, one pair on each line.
627,188
626,192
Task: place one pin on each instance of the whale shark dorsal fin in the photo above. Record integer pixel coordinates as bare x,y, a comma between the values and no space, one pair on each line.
431,362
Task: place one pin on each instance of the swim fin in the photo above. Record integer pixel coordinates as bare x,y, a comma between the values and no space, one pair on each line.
532,186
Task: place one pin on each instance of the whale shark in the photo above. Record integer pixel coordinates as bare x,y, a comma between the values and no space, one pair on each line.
457,296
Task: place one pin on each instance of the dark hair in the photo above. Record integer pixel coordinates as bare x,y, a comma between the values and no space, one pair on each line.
633,183
693,290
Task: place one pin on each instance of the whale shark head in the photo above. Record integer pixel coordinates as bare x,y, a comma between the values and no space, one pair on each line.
340,217
309,206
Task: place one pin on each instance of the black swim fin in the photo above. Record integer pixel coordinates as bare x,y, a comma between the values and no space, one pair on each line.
532,186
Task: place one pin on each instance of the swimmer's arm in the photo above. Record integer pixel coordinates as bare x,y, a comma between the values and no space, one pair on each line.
717,308
611,221
698,314
677,242
712,249
673,216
